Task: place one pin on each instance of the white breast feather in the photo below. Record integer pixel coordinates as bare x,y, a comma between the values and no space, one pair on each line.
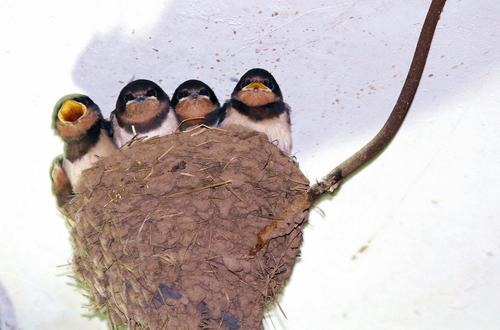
101,149
121,136
277,129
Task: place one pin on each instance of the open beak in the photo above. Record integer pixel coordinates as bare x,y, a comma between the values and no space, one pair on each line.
71,111
256,85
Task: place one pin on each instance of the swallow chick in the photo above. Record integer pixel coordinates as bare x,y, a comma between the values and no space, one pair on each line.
61,187
86,135
257,103
195,103
142,109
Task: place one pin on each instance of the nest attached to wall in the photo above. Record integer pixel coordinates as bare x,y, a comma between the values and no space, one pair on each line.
162,230
198,230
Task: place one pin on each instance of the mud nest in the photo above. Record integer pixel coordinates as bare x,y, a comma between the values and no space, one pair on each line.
163,229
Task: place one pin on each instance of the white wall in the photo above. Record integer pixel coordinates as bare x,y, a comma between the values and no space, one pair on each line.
427,209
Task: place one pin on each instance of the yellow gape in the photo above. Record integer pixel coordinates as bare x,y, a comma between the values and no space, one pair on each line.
71,111
256,85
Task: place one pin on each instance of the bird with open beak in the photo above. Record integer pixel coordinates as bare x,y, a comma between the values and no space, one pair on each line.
257,103
195,103
142,109
86,136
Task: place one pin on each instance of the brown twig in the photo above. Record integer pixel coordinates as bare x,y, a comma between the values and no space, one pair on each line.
372,148
206,142
235,194
165,153
180,193
393,123
188,120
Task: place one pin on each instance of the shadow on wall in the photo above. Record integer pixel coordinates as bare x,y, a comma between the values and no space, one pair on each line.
340,66
7,315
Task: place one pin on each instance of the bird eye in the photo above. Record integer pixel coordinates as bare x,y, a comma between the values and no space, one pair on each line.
182,94
151,92
128,97
268,83
83,100
246,82
203,91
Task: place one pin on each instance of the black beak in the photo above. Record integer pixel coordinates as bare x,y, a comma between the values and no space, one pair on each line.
140,99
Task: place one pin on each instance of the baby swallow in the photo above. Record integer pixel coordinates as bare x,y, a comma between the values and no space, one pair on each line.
142,109
257,103
61,187
195,103
79,123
